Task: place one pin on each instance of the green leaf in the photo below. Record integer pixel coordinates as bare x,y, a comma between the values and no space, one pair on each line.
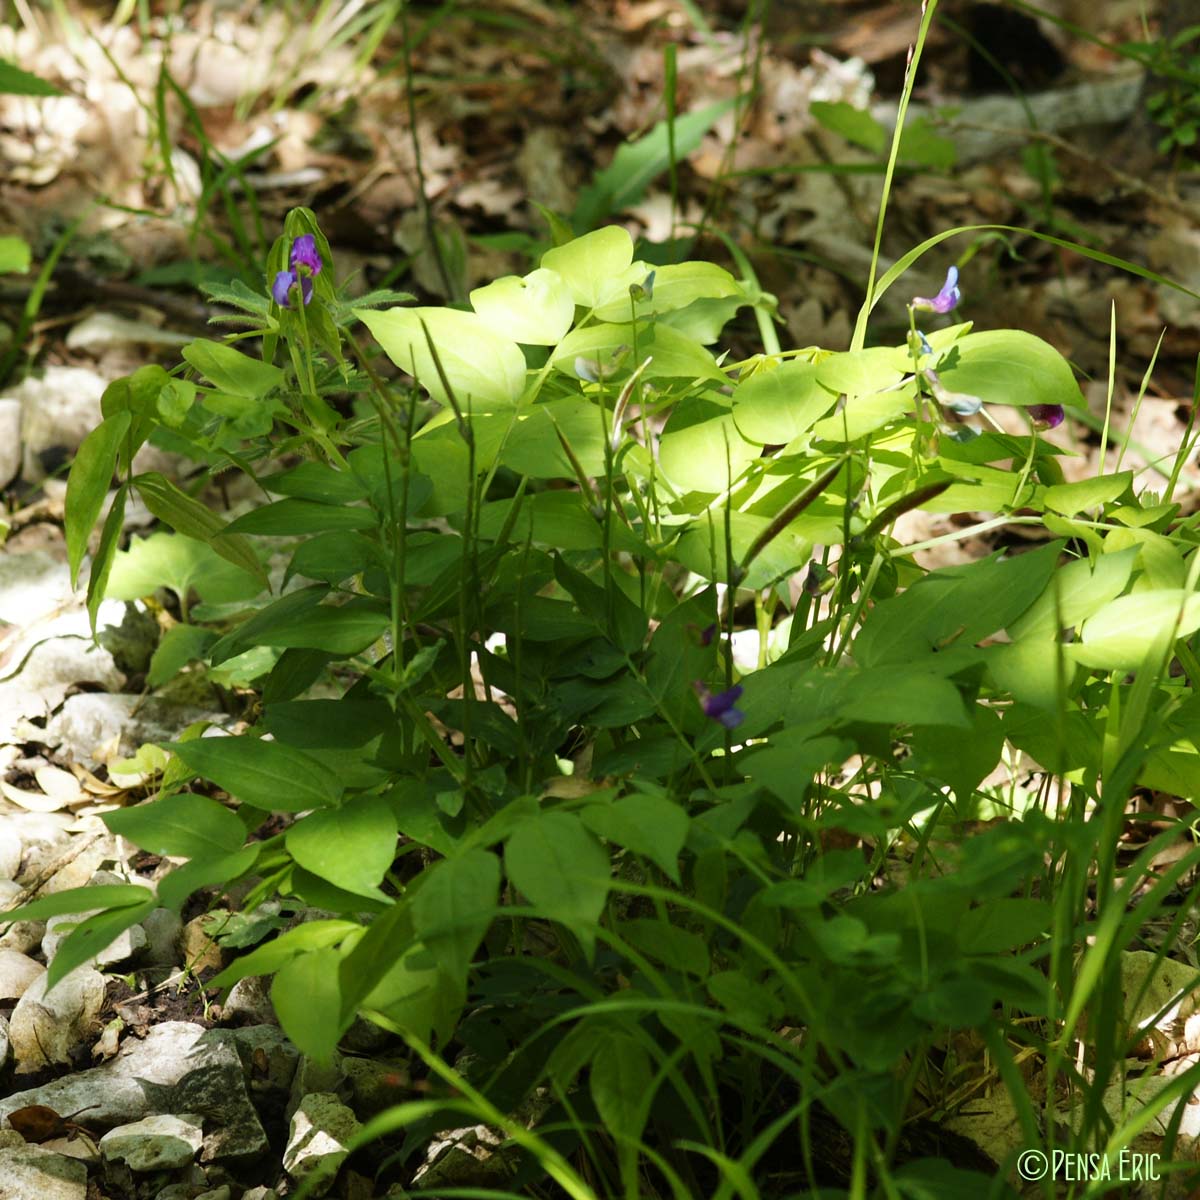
316,481
675,287
860,372
175,887
536,309
332,557
921,145
308,1002
774,406
590,262
339,630
291,943
231,371
1129,630
286,518
180,645
193,519
265,775
562,869
485,371
1008,366
77,900
175,401
672,354
87,485
1072,498
856,125
679,949
1074,593
1004,923
14,256
637,164
621,1086
965,604
90,937
454,905
352,847
956,1002
182,826
961,760
106,552
701,449
171,560
651,826
533,447
138,395
15,82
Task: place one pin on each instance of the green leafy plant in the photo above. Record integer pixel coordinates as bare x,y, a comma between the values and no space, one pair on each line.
676,921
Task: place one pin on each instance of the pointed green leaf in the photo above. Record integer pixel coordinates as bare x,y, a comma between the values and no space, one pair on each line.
266,775
352,847
87,485
484,370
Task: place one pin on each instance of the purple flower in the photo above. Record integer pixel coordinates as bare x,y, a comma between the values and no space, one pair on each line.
304,254
284,282
720,707
1046,416
946,299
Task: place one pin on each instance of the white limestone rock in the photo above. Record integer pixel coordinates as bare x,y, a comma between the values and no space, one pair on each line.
162,1142
27,1172
17,973
317,1140
45,1027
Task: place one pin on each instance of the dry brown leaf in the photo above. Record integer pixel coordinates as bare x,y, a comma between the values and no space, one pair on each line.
30,801
37,1122
60,785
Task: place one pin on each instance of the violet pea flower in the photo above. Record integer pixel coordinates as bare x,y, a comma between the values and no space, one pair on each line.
721,706
281,288
1046,416
946,299
305,254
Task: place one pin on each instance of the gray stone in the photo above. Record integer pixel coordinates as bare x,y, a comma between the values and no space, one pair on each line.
318,1135
163,928
114,725
177,1067
49,669
44,838
185,1189
17,972
10,440
31,1173
158,1143
365,1037
45,1027
372,1086
250,1000
128,943
59,409
74,1146
313,1076
4,1042
21,936
124,946
222,1193
269,1060
10,851
32,585
261,1193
